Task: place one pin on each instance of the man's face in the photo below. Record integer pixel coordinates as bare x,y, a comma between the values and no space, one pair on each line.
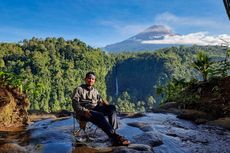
90,80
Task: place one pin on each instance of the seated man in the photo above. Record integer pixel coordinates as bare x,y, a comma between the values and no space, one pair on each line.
89,106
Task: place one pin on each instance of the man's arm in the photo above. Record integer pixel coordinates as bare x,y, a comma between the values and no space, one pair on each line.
76,104
101,100
105,102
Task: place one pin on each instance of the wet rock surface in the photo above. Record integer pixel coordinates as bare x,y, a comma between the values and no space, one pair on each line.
223,122
193,115
166,134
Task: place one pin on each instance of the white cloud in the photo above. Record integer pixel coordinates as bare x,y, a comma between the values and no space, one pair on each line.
177,22
126,29
199,38
167,18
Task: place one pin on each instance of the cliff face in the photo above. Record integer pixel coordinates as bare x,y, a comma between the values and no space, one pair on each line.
13,109
137,76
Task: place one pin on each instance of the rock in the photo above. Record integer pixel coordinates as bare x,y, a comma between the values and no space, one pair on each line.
169,105
140,147
133,148
193,115
88,149
152,139
223,122
146,128
142,126
34,117
13,109
131,115
15,148
12,148
201,121
63,113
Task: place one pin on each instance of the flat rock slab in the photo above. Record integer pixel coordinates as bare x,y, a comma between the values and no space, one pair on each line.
223,122
152,139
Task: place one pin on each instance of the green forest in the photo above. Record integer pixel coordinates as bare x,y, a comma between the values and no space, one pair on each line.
49,69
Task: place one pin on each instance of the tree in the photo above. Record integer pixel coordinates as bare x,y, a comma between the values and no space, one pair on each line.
140,106
124,103
202,64
150,103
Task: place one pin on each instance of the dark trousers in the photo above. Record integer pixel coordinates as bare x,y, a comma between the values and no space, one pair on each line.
98,118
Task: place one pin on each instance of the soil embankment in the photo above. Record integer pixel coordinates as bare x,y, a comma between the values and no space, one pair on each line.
13,109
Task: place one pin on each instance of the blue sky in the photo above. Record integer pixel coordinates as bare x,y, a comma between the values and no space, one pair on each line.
103,22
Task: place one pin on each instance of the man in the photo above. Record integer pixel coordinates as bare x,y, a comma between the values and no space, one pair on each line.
89,106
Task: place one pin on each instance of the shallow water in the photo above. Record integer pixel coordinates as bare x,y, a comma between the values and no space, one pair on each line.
178,136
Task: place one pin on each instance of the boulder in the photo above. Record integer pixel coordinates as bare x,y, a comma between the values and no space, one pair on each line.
194,115
13,109
131,115
152,139
169,105
16,148
142,126
63,113
133,148
223,122
12,148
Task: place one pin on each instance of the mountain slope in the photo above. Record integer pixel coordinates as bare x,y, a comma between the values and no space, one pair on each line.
158,36
155,32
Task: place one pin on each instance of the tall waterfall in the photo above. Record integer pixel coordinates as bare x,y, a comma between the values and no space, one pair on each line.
116,87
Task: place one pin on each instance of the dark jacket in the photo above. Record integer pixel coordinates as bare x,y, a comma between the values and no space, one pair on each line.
84,99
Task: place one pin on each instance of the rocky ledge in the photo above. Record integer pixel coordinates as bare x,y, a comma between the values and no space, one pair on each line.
198,117
13,109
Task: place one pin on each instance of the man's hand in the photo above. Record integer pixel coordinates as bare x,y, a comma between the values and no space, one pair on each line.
87,114
105,102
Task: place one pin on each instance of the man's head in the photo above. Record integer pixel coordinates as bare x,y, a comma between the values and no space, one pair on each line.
90,78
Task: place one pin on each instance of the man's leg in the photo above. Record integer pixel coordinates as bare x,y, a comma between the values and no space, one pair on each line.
110,111
99,120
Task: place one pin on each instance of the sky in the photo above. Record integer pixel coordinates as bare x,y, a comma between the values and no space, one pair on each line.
102,22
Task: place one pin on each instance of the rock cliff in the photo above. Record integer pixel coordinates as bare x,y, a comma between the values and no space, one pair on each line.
13,109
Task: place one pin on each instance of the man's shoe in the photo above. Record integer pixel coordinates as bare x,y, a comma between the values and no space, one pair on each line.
118,140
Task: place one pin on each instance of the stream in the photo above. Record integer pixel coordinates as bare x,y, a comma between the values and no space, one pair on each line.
154,132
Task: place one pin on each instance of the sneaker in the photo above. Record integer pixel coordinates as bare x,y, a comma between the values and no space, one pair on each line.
118,140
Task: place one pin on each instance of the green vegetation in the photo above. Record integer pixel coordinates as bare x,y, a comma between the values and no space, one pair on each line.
10,80
52,68
149,74
201,93
49,69
202,64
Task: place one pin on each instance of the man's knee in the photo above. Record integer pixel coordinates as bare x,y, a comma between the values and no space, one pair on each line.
112,108
97,114
98,118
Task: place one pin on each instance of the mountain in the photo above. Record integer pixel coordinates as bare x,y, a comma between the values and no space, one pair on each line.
158,36
135,43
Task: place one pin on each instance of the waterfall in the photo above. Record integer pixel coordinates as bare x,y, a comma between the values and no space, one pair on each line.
116,87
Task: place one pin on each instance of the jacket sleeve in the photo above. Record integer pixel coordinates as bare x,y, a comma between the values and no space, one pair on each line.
99,98
76,102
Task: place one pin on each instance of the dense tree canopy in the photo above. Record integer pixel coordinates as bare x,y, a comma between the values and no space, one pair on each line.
52,68
49,70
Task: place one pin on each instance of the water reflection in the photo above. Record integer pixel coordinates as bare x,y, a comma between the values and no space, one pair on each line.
50,135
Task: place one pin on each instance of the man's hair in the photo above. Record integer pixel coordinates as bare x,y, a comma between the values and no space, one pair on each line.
89,74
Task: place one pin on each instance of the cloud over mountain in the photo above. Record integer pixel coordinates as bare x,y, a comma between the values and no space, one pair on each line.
199,38
160,36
